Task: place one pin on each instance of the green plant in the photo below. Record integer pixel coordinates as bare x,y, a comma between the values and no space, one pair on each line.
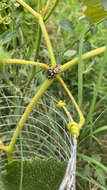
74,127
40,16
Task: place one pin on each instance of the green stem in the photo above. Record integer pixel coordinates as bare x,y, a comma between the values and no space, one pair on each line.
47,7
51,10
92,160
24,117
82,120
85,56
9,153
43,28
5,75
101,71
40,5
38,41
80,69
92,106
48,43
39,34
98,130
25,62
26,6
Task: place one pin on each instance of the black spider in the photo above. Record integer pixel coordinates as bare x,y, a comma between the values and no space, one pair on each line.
52,72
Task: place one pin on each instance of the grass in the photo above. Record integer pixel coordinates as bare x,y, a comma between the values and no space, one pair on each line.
89,87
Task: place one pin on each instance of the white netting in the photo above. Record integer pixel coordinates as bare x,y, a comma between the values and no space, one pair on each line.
44,134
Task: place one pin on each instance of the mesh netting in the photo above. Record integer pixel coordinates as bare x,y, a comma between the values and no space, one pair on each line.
43,135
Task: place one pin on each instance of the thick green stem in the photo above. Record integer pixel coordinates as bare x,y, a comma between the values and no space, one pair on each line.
48,43
43,28
10,153
24,117
26,6
39,34
85,56
82,120
25,62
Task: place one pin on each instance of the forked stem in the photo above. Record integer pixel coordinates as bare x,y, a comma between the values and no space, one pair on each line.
43,28
82,120
26,6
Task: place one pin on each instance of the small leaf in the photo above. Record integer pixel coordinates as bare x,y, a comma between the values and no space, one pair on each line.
104,4
86,170
86,46
85,20
100,175
69,53
93,29
97,157
67,25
